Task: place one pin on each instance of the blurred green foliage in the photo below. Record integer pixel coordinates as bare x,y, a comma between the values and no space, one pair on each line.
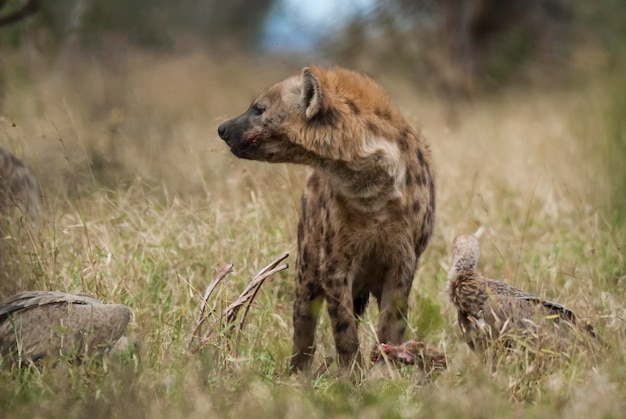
605,20
501,37
148,23
616,146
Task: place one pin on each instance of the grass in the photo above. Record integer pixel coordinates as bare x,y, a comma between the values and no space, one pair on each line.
143,204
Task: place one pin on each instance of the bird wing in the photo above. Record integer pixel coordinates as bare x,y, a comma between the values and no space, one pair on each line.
554,308
502,289
29,299
36,323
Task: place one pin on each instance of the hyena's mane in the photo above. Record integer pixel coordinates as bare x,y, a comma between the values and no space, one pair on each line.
349,118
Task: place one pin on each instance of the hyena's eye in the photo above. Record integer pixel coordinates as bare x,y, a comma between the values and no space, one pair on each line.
257,109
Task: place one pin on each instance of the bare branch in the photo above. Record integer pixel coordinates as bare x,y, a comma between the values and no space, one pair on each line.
258,282
220,275
230,314
28,9
272,265
248,294
201,318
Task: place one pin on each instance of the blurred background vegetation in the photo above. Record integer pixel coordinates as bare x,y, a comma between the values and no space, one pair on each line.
459,50
488,43
467,46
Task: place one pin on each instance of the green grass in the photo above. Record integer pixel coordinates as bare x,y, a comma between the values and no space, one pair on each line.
143,204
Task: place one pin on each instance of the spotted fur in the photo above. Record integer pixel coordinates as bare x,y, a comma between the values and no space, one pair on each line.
368,206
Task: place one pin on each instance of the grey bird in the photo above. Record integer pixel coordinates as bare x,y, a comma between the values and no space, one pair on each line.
491,311
36,324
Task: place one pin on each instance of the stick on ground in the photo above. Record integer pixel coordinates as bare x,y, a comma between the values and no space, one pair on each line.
247,296
230,314
226,269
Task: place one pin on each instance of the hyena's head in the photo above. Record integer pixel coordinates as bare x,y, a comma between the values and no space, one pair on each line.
262,132
320,113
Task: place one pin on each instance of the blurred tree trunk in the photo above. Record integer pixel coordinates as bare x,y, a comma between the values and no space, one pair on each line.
71,43
470,27
31,7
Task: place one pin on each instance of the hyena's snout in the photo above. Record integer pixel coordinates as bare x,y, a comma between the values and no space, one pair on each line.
234,131
222,131
240,135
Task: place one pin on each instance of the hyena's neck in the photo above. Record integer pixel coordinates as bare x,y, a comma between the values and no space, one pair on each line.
364,191
370,169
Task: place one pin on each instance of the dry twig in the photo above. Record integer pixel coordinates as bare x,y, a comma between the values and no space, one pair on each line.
247,296
229,315
205,299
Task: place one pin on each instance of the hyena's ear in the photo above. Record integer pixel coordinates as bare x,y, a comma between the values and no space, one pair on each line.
311,94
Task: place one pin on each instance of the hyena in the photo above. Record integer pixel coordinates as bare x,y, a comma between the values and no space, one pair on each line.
18,187
367,208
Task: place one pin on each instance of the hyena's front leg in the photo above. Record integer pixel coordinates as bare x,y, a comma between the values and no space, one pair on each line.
394,302
306,310
308,302
341,312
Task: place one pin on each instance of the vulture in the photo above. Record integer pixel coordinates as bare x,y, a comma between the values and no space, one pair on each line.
39,324
491,311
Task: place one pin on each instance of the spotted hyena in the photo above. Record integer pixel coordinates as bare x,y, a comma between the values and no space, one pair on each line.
19,192
368,205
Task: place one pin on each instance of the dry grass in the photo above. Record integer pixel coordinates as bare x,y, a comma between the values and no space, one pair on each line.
142,204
